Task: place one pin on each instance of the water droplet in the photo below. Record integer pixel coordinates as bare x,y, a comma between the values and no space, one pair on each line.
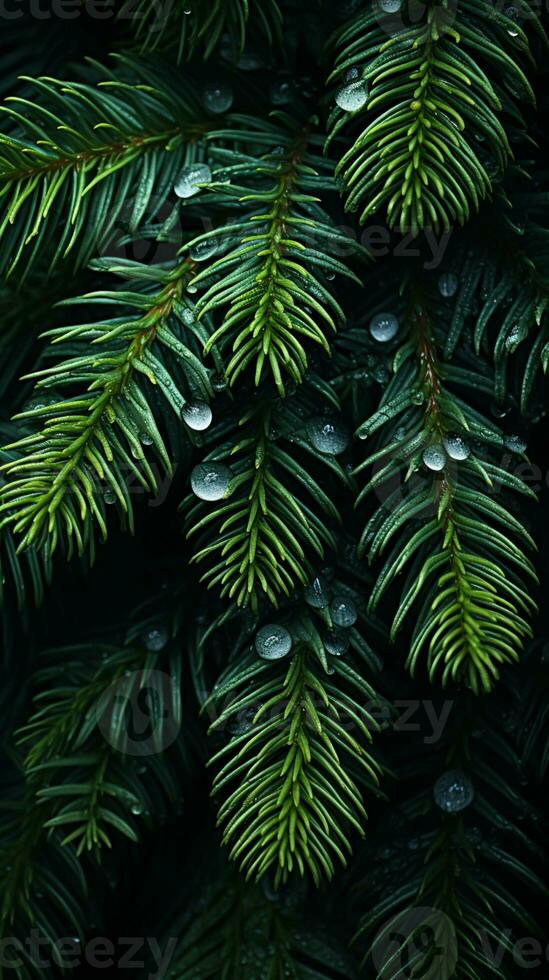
273,642
188,317
448,283
191,177
109,496
418,397
513,14
210,481
203,250
390,6
453,791
515,444
434,457
217,97
500,411
315,594
329,437
146,439
352,97
343,611
383,327
155,639
456,447
137,809
336,643
197,415
281,93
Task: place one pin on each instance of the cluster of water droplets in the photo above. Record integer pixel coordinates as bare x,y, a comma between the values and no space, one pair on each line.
191,179
515,444
453,791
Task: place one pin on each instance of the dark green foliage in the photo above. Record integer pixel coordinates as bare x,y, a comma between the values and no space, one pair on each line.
225,729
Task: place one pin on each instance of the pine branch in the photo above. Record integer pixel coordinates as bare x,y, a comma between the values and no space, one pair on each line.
276,516
244,929
268,282
79,150
433,93
296,758
188,25
455,538
42,886
464,877
79,736
90,442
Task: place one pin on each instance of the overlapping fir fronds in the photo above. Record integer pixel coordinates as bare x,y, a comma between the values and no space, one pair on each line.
253,307
432,139
87,154
80,741
248,930
271,281
277,517
292,770
189,26
100,409
461,910
504,282
437,470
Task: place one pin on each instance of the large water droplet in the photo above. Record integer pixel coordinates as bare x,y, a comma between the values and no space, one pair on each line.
109,496
217,97
434,457
137,809
210,481
155,639
315,594
515,444
390,6
453,791
146,439
383,326
343,611
273,642
336,643
448,283
352,97
456,447
329,437
191,177
203,250
197,415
